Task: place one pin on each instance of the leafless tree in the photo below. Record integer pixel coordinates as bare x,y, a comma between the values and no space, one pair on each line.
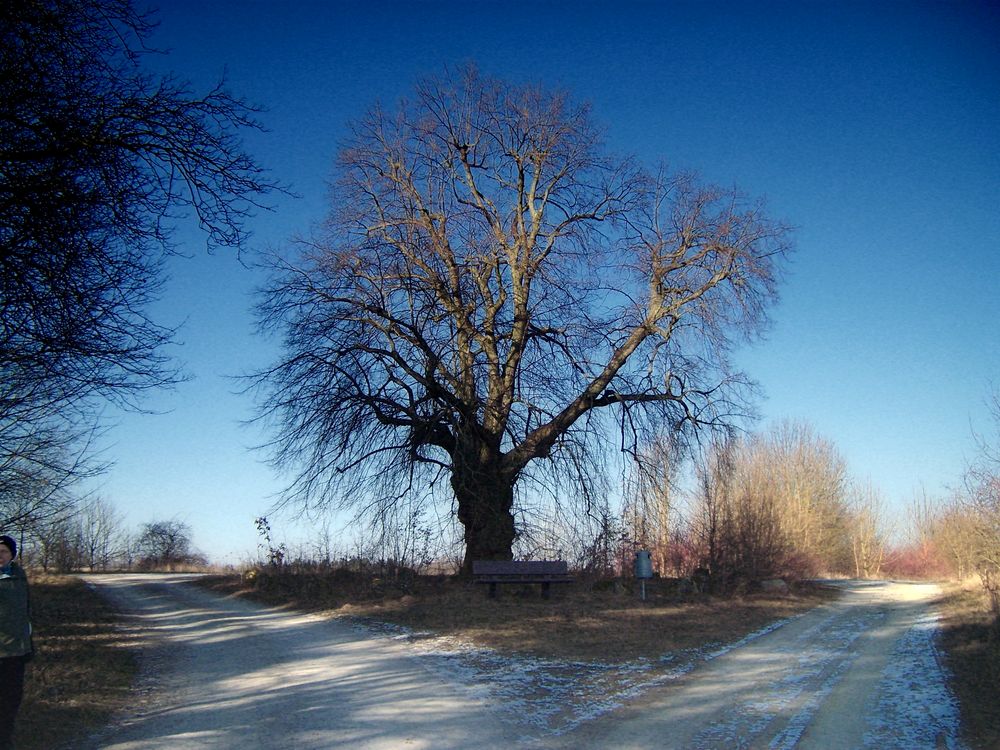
806,478
868,531
40,465
649,505
494,297
57,544
162,544
98,160
736,518
102,533
954,534
982,485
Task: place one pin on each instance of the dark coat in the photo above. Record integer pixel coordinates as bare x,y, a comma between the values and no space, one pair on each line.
15,623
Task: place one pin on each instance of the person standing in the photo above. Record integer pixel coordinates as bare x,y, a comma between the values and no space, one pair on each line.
15,638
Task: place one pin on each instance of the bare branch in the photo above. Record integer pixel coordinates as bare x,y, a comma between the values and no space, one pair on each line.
492,289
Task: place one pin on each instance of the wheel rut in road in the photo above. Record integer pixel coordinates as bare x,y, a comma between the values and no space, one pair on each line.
860,672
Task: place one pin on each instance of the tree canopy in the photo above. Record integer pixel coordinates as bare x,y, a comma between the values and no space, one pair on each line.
98,160
495,297
162,544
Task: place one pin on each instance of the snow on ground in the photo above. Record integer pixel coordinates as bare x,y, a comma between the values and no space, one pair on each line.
552,696
914,695
816,660
808,670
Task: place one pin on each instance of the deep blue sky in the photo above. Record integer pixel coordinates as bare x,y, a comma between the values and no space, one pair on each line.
870,127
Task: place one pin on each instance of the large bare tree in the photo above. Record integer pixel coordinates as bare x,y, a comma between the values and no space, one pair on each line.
491,290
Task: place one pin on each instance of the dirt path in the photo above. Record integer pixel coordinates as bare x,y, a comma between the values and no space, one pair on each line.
861,672
223,673
857,673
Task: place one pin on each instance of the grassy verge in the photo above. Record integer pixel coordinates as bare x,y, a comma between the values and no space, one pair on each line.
582,621
971,643
81,674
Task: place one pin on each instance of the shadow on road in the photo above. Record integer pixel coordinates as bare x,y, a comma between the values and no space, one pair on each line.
223,673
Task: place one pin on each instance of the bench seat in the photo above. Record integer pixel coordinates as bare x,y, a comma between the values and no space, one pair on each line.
543,572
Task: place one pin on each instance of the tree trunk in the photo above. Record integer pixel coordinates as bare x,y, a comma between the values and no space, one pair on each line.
485,496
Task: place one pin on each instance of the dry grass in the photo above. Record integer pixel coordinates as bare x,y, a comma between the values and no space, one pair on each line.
582,621
971,642
81,673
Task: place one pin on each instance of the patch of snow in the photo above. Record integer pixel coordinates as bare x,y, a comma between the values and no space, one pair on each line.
552,695
917,710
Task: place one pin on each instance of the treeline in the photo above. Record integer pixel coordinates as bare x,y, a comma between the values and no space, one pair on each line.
92,536
960,536
780,504
783,504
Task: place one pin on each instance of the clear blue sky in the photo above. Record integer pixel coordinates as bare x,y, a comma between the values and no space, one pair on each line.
873,128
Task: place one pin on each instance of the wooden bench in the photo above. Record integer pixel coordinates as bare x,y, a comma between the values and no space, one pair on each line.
544,572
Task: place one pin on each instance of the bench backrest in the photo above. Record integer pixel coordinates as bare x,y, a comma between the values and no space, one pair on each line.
519,567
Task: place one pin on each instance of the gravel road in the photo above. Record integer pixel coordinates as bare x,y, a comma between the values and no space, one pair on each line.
225,673
861,672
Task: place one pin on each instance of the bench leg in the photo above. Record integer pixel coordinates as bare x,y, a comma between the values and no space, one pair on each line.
493,591
545,590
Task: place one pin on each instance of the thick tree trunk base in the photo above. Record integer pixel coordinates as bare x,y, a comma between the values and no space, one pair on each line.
484,509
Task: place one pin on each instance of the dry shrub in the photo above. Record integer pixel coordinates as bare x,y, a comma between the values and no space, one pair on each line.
917,562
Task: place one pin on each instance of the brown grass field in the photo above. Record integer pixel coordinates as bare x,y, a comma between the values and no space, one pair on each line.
970,640
83,670
584,621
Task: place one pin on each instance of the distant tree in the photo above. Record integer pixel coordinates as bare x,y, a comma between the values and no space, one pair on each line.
102,534
35,486
493,297
982,487
736,520
98,159
868,532
807,479
38,474
956,534
162,544
56,544
649,507
779,503
714,512
935,544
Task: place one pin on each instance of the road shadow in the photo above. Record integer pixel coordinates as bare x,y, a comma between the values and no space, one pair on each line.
225,673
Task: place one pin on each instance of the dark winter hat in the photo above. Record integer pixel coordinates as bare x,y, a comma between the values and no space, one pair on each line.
10,544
